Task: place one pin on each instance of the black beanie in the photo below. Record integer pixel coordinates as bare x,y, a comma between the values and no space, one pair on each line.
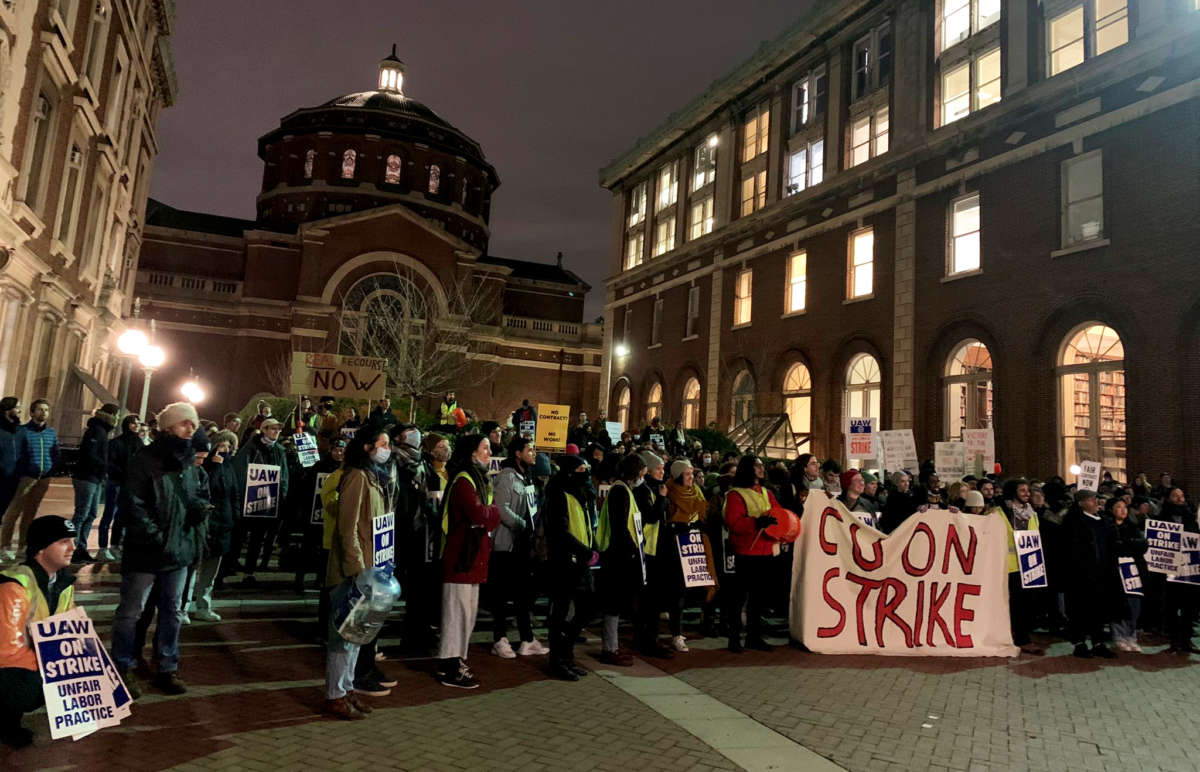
8,403
46,530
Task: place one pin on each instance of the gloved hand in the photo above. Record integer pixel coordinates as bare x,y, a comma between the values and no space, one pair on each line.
595,559
762,521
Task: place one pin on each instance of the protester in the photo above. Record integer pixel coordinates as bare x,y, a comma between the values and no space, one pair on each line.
831,473
262,411
121,449
1180,602
91,472
468,518
491,430
853,486
523,415
381,416
165,508
973,505
651,498
1131,543
1093,582
10,453
447,414
746,508
226,511
509,569
37,458
809,467
1023,603
688,514
620,537
902,502
570,542
264,448
38,588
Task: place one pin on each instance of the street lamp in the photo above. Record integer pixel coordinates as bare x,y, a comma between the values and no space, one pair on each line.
131,344
152,358
193,392
621,350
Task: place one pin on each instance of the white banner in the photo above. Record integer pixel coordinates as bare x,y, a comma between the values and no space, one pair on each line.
937,586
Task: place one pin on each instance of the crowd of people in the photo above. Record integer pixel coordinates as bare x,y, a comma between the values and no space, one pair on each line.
481,517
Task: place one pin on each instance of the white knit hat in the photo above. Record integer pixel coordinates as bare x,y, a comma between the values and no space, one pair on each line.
175,413
679,467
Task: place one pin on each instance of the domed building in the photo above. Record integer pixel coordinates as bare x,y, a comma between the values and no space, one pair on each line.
372,227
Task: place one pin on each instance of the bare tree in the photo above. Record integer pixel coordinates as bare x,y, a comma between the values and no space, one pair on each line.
429,349
277,373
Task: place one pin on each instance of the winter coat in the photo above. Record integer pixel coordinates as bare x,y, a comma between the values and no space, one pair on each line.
10,447
741,508
38,450
899,507
256,452
27,597
622,567
227,507
513,494
164,508
1090,558
121,450
92,462
381,419
467,520
360,501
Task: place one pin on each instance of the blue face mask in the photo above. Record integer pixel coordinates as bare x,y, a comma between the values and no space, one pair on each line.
381,455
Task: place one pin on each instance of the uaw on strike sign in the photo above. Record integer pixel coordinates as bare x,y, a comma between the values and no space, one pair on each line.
937,586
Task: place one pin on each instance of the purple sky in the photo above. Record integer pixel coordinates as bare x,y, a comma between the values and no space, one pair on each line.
552,90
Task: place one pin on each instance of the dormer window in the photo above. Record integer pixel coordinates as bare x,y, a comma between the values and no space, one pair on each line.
349,160
391,172
391,74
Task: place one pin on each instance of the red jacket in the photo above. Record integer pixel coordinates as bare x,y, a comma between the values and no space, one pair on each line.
468,540
743,534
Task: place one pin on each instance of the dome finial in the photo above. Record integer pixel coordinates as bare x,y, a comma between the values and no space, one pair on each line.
391,73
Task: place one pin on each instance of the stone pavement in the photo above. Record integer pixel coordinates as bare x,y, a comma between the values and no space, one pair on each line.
256,686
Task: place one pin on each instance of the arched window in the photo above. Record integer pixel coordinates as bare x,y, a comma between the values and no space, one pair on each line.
691,404
623,398
967,386
391,172
349,159
743,399
864,389
797,401
654,402
384,315
435,179
310,158
1091,372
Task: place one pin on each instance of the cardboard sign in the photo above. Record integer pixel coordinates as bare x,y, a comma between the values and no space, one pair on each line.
656,439
1166,546
1089,476
950,461
83,691
262,491
1130,576
937,586
614,431
1030,559
318,509
1189,561
898,450
527,429
383,529
980,451
552,424
494,466
693,560
306,449
352,377
728,556
859,438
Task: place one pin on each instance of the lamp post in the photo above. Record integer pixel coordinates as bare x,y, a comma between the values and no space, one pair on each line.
131,344
152,358
192,391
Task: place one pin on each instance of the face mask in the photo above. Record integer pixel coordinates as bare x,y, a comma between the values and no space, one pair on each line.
707,460
412,439
580,478
640,481
441,455
267,441
381,455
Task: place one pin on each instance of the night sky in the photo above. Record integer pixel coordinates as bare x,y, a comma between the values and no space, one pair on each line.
551,90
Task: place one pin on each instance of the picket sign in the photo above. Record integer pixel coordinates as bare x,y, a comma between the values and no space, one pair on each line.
860,434
552,425
1030,559
1130,576
318,510
262,491
614,431
1189,562
950,461
527,429
1089,476
1166,546
898,450
383,531
693,560
980,451
306,449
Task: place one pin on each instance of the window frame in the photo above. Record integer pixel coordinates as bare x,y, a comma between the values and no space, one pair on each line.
762,131
692,319
704,175
746,400
873,81
852,266
798,393
1093,371
812,109
1066,203
971,381
791,282
869,111
664,233
691,405
743,298
1089,34
952,235
707,220
656,323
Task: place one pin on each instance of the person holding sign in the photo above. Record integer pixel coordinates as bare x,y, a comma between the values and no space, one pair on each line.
571,552
167,506
1022,602
1131,543
227,510
1180,598
260,523
746,507
688,516
1092,578
468,518
621,540
38,588
853,487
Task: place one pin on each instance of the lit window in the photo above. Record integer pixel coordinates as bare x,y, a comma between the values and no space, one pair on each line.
754,192
701,218
971,85
806,167
310,157
755,132
1083,198
664,234
862,264
692,328
956,93
797,402
637,204
987,79
654,402
1066,41
633,250
435,179
797,283
656,323
705,163
391,171
809,99
691,404
964,235
623,400
881,133
349,160
742,297
860,141
668,185
1112,25
1091,372
863,394
816,160
962,18
967,389
872,61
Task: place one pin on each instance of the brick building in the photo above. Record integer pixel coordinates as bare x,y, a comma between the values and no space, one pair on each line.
941,213
372,221
82,83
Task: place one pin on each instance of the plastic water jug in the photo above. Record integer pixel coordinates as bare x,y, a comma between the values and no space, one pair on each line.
370,601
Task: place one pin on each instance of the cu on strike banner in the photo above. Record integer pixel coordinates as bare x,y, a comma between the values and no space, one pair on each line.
937,586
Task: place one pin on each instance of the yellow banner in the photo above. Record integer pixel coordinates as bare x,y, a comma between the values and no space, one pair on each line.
333,375
553,421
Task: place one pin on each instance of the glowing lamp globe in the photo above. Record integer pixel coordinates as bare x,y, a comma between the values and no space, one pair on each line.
193,392
621,350
1075,470
152,357
132,342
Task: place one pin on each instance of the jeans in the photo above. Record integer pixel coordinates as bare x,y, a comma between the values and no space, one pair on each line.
110,518
22,510
135,588
205,577
1125,630
341,656
87,502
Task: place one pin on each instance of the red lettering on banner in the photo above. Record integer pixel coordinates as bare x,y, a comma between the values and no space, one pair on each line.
828,547
920,614
885,610
963,614
876,562
864,593
967,561
935,616
908,567
835,630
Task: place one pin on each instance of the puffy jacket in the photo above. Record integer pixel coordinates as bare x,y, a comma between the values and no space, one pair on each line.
10,447
255,452
513,494
38,450
25,598
92,462
121,449
227,507
164,509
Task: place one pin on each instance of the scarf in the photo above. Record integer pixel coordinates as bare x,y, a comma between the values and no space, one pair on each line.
687,504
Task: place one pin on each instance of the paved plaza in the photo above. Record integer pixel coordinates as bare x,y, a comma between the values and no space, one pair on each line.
256,687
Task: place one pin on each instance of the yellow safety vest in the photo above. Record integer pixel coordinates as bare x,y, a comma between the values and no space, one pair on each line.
329,508
1014,563
24,576
487,499
757,503
604,529
579,524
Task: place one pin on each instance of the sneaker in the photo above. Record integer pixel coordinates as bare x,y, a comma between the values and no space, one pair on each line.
170,683
679,643
615,658
380,677
1135,649
533,648
206,615
577,670
133,684
185,619
371,687
343,709
115,552
503,649
1100,650
104,555
463,678
1082,651
1123,646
